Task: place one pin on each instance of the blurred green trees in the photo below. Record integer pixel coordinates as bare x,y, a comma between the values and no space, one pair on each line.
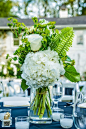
7,70
5,8
52,7
83,6
41,8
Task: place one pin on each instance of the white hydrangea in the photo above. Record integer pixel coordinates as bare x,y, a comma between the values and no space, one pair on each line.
42,68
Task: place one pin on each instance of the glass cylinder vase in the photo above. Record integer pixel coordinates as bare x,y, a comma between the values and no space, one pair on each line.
40,106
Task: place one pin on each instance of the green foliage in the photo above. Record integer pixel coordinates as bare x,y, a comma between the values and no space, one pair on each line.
7,66
63,41
23,85
67,61
7,56
35,20
71,74
14,58
18,75
68,58
10,71
5,8
2,72
70,71
82,5
81,87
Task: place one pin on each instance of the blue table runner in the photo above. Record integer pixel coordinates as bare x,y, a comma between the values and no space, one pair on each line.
22,111
1,104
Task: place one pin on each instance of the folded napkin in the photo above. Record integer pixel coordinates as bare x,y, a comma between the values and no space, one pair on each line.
82,105
67,97
16,103
15,99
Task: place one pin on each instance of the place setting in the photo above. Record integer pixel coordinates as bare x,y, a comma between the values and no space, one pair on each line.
19,117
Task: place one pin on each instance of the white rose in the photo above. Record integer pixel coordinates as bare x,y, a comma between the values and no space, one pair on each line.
35,41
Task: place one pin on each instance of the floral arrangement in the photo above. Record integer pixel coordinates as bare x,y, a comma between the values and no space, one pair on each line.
43,58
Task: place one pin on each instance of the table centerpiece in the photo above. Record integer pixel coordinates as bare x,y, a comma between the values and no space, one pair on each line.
43,59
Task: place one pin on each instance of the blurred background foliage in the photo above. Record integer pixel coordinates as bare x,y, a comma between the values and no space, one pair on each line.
40,8
7,69
5,8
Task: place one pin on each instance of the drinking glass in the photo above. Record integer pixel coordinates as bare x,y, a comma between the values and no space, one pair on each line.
22,122
56,95
28,110
80,120
56,114
66,120
79,113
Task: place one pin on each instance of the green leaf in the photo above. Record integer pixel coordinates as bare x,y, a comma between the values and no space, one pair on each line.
35,26
35,20
14,58
57,31
52,27
7,56
10,18
10,24
19,30
16,34
72,74
15,20
23,24
68,58
81,87
63,41
23,85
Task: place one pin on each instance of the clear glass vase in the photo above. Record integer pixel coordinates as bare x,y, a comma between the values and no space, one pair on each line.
40,106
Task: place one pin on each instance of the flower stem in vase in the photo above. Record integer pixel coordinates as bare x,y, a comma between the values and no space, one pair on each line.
42,102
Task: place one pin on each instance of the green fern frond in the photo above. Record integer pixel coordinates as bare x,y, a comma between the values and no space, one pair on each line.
63,41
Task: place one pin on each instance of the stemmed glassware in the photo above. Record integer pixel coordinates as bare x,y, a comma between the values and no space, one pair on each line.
56,97
57,94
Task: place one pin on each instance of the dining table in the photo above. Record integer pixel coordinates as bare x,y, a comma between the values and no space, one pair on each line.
23,111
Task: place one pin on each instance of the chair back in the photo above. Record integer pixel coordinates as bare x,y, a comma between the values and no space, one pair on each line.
68,91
